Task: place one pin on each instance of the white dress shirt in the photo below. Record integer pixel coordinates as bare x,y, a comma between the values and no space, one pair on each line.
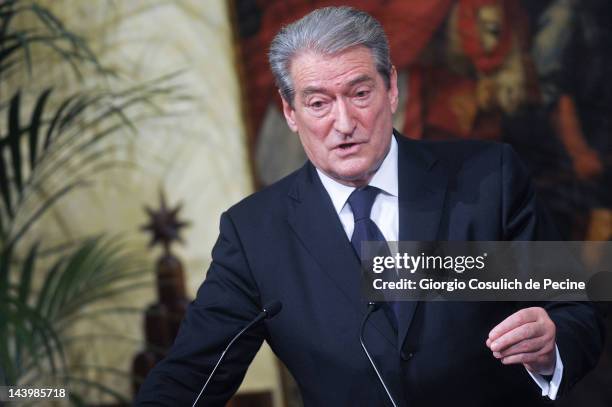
385,213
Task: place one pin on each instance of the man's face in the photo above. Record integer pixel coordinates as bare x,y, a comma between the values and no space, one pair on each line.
490,23
342,111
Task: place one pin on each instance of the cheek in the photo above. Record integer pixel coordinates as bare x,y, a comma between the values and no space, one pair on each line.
377,120
312,136
314,131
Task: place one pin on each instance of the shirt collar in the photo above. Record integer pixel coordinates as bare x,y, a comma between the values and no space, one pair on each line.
385,178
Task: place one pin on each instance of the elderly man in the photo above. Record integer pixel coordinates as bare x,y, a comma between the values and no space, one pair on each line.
296,242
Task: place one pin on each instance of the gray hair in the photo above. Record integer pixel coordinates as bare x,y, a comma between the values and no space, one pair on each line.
327,31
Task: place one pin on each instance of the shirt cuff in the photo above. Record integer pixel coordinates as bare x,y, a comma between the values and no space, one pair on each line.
550,389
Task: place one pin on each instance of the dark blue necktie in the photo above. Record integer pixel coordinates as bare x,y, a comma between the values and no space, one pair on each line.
361,201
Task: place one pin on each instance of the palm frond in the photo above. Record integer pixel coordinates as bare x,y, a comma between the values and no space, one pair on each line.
48,31
35,322
49,147
27,332
35,124
77,128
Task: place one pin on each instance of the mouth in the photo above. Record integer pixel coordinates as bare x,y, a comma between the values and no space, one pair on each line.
346,149
346,146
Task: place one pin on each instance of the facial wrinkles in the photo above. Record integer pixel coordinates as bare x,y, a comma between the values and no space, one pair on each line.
337,94
344,120
339,76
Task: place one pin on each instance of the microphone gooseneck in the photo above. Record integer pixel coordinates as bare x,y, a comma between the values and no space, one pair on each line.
372,307
269,310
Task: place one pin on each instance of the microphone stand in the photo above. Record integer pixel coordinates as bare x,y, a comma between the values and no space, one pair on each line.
269,311
373,306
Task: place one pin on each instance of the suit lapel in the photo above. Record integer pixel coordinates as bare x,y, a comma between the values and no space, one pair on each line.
315,221
422,188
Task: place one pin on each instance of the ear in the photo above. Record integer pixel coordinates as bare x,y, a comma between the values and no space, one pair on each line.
393,93
289,113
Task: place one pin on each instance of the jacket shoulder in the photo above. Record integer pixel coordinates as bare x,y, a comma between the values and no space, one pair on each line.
459,155
461,150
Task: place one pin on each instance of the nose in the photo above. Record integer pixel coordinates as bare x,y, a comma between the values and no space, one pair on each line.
344,121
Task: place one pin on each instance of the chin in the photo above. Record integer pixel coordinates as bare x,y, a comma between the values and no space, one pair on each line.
359,177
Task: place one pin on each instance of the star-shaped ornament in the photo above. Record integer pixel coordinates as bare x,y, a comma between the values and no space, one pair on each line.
164,224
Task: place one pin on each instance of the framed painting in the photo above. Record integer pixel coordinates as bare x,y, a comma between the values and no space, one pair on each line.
535,75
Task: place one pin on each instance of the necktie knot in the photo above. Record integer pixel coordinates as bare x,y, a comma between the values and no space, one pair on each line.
361,201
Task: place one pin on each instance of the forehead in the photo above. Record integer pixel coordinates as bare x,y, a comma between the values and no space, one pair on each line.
312,69
490,12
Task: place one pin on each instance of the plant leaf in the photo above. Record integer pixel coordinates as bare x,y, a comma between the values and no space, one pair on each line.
56,119
35,123
27,271
48,289
46,205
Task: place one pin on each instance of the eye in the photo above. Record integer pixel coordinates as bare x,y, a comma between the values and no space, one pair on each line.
361,96
317,104
362,93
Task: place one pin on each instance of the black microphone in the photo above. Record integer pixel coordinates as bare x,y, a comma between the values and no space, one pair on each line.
269,311
373,306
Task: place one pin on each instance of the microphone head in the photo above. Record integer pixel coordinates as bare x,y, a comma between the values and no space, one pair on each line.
272,308
374,306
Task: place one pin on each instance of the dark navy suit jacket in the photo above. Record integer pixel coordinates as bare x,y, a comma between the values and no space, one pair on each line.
286,243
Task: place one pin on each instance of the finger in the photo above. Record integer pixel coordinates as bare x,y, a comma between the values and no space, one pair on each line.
515,336
534,362
522,358
538,344
521,317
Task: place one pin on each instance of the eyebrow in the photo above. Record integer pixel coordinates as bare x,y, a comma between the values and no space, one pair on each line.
361,79
309,90
315,89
